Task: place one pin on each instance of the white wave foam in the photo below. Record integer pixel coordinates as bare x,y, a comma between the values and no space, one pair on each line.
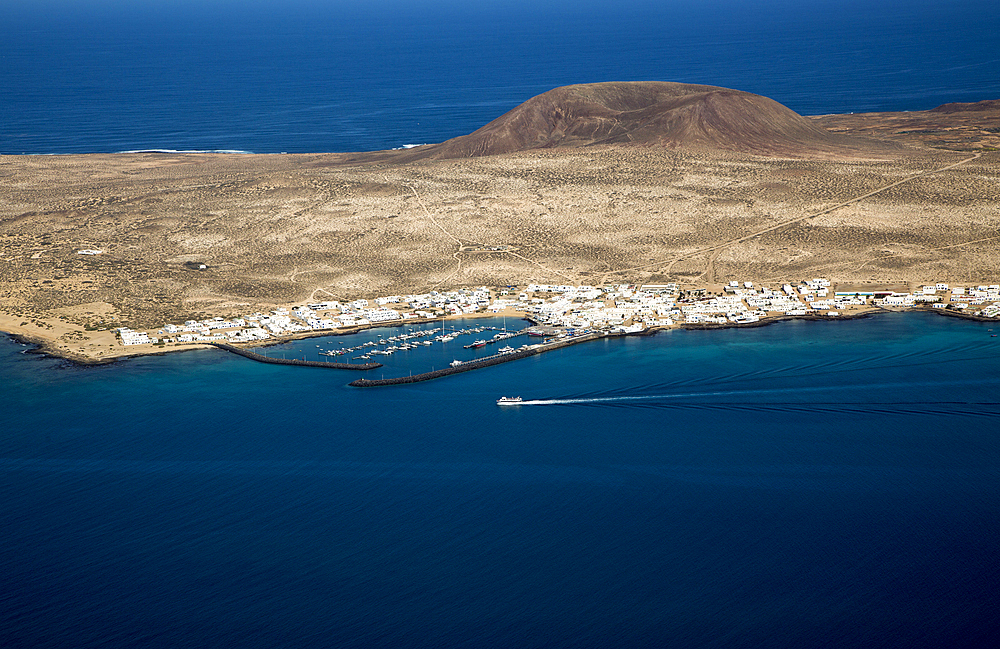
753,392
408,146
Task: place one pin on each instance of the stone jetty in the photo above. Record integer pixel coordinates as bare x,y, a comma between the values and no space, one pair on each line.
254,356
475,364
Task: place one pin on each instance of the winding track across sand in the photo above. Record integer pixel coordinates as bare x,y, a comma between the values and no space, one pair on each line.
451,236
458,241
545,268
431,217
954,245
709,270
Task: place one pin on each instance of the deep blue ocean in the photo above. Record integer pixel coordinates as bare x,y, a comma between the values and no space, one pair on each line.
805,484
85,76
830,484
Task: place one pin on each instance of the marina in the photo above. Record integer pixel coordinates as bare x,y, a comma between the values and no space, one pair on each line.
500,337
417,351
457,367
412,348
556,310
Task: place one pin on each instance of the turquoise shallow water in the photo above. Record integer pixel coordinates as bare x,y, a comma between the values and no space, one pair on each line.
795,485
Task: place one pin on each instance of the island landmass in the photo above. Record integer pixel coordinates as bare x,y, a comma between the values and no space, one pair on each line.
610,187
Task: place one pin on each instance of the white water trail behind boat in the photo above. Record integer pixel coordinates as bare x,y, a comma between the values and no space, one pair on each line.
755,392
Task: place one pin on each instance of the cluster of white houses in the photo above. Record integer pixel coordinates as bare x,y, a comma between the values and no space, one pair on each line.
621,307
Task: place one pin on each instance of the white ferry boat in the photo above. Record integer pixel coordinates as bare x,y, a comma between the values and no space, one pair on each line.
509,401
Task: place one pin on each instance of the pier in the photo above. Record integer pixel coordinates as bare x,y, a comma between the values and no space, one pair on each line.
479,363
506,335
260,358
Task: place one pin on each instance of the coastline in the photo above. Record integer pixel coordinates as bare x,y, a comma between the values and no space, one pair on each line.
49,345
770,320
45,334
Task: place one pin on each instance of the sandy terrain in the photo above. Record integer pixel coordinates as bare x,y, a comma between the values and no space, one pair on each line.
281,229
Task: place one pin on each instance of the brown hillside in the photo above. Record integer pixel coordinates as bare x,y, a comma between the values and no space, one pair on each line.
650,113
957,126
979,106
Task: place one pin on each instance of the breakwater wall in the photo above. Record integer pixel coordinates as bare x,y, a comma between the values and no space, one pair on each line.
472,365
260,358
763,322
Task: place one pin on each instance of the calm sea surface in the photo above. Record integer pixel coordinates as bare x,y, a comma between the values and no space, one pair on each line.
800,485
79,76
803,484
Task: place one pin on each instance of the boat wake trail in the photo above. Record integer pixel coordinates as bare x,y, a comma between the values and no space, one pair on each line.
752,398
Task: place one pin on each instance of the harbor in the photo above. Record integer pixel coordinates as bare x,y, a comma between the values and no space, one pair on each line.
418,338
554,309
478,363
422,352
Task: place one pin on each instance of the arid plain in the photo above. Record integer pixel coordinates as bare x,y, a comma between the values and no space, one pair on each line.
183,235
